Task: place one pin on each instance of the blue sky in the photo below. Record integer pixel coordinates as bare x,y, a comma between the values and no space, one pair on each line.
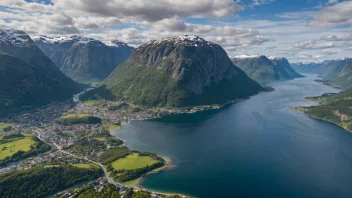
301,30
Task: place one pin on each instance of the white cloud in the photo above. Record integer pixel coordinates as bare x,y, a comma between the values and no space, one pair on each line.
338,14
332,2
295,15
151,10
330,51
334,37
313,45
261,2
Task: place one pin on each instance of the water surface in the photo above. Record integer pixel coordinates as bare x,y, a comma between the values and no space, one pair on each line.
254,148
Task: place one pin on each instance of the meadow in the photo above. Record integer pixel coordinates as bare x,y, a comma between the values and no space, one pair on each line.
4,126
12,147
133,161
94,166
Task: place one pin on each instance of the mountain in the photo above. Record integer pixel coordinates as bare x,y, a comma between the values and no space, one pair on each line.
177,72
340,74
324,67
24,86
259,68
284,68
263,70
305,67
84,59
28,77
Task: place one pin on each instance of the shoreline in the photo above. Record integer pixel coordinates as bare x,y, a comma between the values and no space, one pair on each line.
322,119
168,165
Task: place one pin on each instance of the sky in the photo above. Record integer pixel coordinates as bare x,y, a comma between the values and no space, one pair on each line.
300,30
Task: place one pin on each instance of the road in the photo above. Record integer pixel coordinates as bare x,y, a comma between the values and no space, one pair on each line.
59,148
106,173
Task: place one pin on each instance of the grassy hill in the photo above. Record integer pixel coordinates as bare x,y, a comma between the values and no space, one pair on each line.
336,108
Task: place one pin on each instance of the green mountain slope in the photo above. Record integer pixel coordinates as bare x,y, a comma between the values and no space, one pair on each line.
24,87
176,72
29,78
259,68
340,74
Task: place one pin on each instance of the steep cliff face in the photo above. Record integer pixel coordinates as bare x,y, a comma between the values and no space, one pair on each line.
283,67
179,71
84,59
259,68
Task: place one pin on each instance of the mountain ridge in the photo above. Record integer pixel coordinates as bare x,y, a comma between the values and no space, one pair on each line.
84,59
29,79
264,70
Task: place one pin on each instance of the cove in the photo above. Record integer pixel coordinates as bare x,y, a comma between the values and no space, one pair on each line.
254,148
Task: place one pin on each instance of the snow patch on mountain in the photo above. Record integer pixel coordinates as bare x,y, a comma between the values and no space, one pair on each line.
188,40
15,37
275,58
77,40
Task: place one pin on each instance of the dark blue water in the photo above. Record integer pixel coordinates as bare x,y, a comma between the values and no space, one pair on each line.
254,148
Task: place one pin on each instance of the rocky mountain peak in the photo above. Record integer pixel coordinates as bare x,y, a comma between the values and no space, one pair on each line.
188,40
244,56
15,37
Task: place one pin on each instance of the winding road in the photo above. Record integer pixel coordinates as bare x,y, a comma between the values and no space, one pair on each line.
59,148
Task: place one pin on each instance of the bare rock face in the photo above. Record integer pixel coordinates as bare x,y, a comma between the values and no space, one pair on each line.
179,71
84,59
283,67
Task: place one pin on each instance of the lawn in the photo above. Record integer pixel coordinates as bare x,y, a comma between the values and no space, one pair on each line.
99,138
131,182
86,166
133,161
112,127
79,119
91,103
10,148
4,126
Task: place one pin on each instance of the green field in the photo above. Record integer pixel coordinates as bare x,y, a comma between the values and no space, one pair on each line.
99,138
79,119
133,161
10,148
91,103
4,126
112,127
86,166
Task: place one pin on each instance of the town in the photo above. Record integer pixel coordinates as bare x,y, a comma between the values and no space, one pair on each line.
81,143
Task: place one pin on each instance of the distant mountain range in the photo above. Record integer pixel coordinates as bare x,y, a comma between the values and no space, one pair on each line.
264,69
84,59
177,72
337,73
28,77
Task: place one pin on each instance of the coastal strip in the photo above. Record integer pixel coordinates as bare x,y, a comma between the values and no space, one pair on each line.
297,109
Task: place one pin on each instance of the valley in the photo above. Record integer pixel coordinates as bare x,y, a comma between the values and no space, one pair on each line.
175,99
